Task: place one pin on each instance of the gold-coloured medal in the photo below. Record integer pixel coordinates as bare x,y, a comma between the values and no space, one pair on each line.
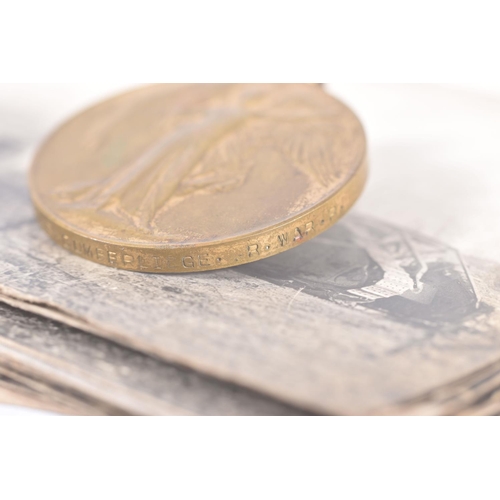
192,177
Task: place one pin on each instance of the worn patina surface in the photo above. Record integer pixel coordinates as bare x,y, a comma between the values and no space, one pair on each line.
183,178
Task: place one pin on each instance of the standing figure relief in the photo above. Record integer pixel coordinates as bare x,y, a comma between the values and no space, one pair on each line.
140,190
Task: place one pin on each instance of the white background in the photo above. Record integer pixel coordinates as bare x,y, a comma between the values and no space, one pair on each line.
419,134
349,41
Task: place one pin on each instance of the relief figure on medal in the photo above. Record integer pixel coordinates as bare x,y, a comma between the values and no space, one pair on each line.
210,145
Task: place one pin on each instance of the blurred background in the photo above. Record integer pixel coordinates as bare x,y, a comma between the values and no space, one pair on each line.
433,152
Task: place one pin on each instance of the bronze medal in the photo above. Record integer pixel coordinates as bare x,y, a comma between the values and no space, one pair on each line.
194,177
